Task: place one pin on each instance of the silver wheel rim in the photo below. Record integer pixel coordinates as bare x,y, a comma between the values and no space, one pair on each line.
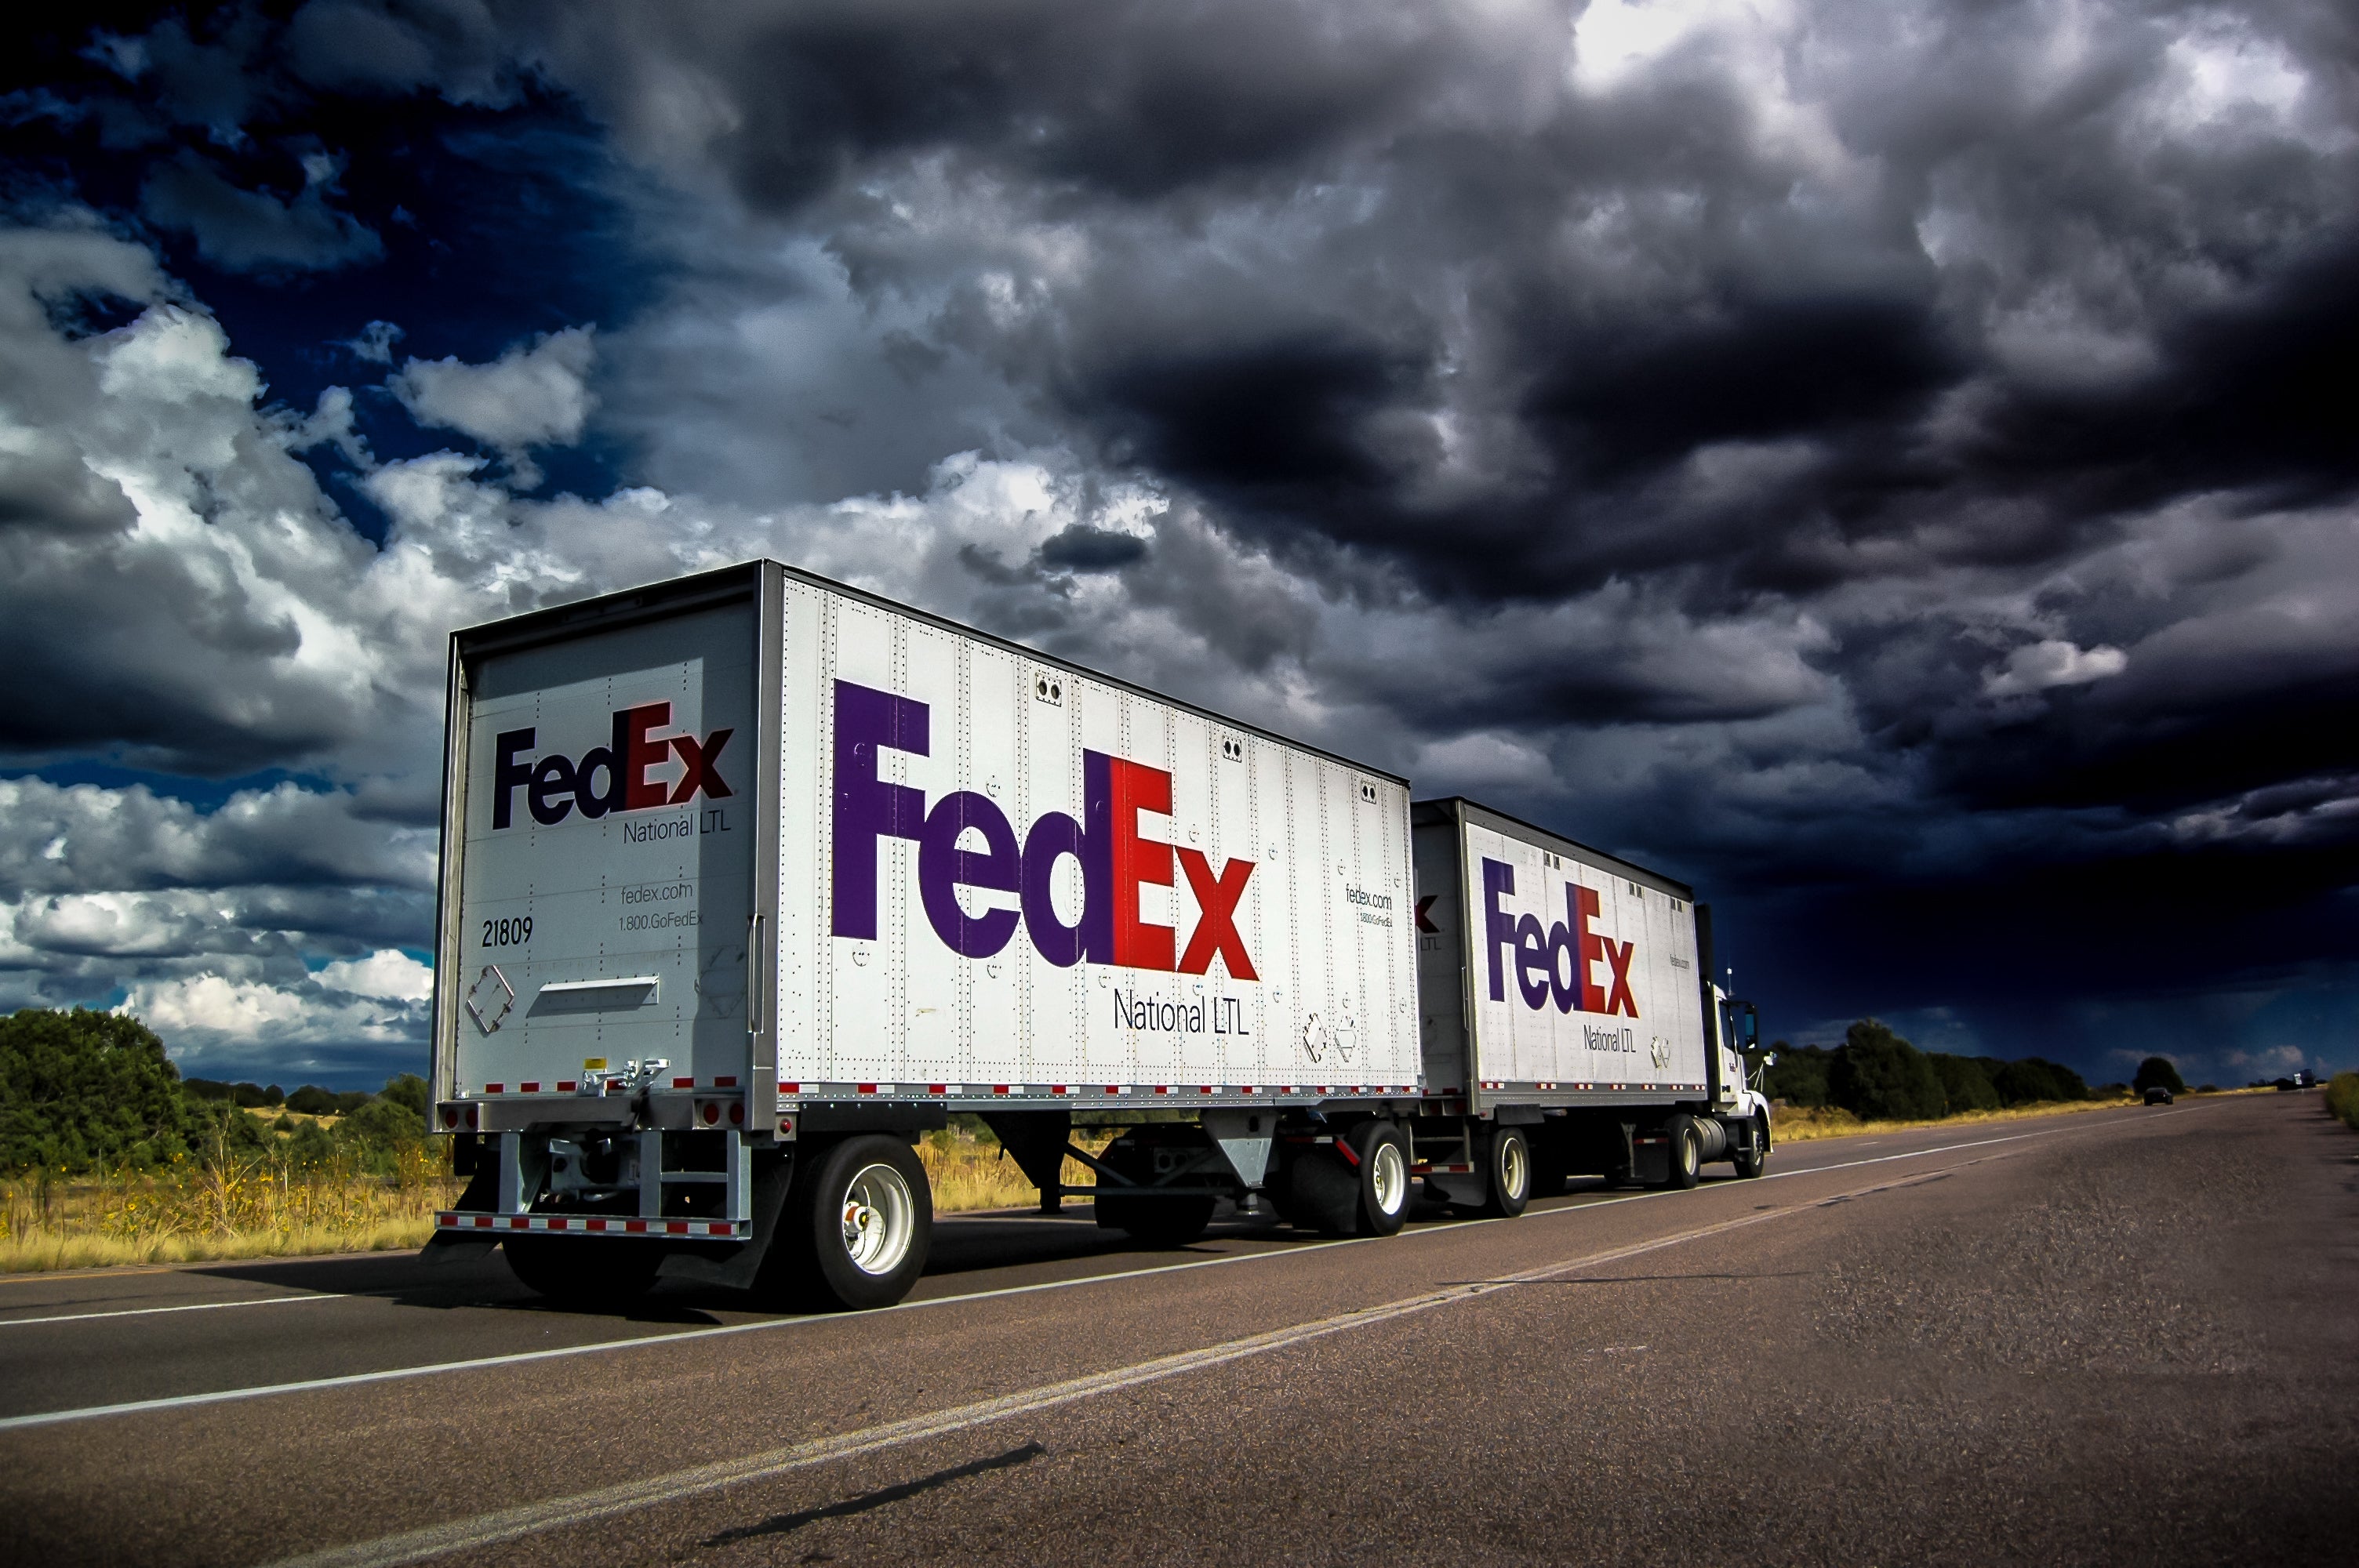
1515,1170
879,1219
1390,1175
1689,1164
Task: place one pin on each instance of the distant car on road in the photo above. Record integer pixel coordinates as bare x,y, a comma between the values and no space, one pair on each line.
2157,1095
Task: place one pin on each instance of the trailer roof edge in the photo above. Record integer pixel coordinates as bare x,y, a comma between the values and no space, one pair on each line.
720,585
1629,870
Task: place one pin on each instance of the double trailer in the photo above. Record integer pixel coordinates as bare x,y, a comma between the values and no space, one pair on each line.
750,879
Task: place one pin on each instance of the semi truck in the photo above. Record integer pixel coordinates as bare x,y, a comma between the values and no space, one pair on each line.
749,878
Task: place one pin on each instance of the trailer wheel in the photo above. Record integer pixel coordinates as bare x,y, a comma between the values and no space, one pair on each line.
576,1272
1509,1170
1384,1177
1751,1165
1686,1151
856,1230
1551,1167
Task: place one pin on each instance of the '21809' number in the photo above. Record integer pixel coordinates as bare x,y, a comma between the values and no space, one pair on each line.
507,933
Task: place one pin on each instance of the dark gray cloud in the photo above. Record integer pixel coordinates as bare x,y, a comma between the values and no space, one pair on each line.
1887,460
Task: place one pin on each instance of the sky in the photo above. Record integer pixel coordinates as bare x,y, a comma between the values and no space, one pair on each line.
1876,461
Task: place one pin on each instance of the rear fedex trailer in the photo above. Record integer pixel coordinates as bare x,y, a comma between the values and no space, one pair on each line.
750,878
1568,1004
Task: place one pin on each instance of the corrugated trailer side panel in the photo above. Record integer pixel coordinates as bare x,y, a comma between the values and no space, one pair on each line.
1001,876
1573,974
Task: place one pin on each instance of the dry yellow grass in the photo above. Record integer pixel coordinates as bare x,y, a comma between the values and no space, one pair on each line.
968,1173
260,1207
1798,1124
231,1206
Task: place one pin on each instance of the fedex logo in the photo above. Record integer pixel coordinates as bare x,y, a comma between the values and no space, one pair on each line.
1559,963
557,785
1115,862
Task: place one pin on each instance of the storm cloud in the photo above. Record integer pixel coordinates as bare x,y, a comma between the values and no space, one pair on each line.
1886,463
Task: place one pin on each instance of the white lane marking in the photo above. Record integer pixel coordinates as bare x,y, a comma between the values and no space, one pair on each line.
150,1312
508,1524
522,1357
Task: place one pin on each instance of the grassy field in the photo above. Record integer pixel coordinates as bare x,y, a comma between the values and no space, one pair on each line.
1798,1124
226,1207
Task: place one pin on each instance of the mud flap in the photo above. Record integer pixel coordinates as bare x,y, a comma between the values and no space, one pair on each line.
737,1269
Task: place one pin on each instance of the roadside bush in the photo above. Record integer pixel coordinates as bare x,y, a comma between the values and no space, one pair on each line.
2035,1078
2343,1098
2158,1072
1965,1083
408,1089
1800,1076
85,1089
1879,1077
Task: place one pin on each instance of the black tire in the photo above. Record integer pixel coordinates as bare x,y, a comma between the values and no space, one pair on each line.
1384,1164
1751,1164
1156,1222
1686,1153
1323,1191
1507,1183
848,1200
576,1270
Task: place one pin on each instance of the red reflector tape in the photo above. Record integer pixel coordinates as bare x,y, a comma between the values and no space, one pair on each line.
635,1227
683,1083
790,1088
566,1086
864,1089
938,1089
593,1225
999,1089
728,1083
1113,1088
532,1088
676,1226
483,1222
494,1088
518,1222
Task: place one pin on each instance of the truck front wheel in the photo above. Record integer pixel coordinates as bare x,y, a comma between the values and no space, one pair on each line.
1686,1151
1755,1155
856,1230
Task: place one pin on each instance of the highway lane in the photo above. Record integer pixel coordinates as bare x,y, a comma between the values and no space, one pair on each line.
1994,1312
77,1342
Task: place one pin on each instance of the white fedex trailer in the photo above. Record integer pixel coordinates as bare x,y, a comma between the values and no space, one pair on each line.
1568,1009
749,878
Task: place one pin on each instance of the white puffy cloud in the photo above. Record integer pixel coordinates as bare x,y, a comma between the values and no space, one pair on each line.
530,396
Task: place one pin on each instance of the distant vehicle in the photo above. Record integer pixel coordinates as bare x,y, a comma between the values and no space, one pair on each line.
2283,1084
2157,1095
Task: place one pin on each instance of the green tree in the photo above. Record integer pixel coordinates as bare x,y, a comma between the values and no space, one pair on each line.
1800,1078
410,1090
1964,1085
313,1100
81,1090
2034,1079
2159,1072
1880,1076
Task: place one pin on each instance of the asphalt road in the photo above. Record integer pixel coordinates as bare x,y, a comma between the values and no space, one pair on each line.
2119,1336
